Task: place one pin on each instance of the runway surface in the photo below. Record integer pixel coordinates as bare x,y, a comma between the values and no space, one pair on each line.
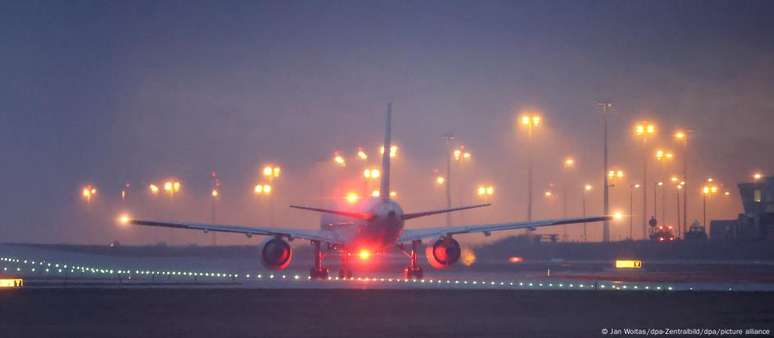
368,313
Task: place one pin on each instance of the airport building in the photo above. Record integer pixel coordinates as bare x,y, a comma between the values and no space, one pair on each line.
757,221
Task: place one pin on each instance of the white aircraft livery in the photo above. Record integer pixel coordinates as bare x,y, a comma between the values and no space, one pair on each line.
377,226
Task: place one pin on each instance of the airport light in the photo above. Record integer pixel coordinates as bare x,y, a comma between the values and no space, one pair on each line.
352,197
375,193
337,159
618,216
154,189
393,194
393,150
664,155
262,189
215,193
485,191
271,171
371,174
757,176
460,154
361,154
569,163
88,193
440,180
615,174
123,219
707,191
530,121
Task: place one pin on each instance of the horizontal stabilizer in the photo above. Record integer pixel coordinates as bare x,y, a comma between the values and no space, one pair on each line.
350,214
441,211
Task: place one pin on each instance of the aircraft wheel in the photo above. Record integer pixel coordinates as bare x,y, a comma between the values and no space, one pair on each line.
318,274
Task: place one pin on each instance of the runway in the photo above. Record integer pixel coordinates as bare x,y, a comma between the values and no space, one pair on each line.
53,269
215,312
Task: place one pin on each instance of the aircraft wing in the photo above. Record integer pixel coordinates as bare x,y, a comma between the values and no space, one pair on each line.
409,235
316,235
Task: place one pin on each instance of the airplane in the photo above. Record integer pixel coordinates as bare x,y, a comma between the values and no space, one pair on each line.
376,226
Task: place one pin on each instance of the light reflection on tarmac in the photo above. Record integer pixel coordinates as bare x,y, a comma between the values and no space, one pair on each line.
42,267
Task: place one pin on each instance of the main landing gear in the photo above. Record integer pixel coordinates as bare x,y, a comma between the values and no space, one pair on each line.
345,272
318,271
413,270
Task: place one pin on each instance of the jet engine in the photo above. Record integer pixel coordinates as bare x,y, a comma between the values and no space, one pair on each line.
444,252
276,254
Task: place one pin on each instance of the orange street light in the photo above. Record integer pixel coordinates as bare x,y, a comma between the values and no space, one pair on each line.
371,173
271,171
615,174
352,197
361,154
644,129
485,190
393,150
123,219
531,120
569,163
88,193
262,189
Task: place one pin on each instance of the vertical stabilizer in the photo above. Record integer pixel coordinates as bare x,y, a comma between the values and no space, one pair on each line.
384,187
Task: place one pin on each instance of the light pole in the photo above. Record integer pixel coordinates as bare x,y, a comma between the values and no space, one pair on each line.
613,176
272,172
662,156
448,137
644,130
606,107
586,189
88,193
568,164
707,191
530,121
656,185
460,156
632,187
215,194
682,136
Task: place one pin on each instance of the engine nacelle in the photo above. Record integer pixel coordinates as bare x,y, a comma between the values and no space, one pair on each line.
276,254
444,253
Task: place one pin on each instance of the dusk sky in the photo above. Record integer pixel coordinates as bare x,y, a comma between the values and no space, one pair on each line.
109,92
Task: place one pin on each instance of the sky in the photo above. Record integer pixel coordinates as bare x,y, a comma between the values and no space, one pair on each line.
108,93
